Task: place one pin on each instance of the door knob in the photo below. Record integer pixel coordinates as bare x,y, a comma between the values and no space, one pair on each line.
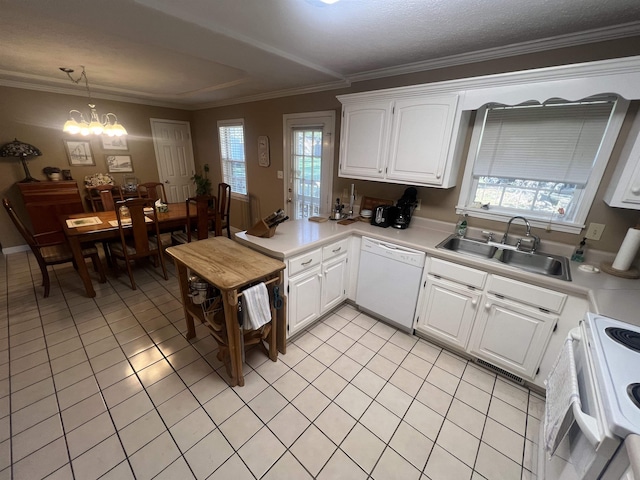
167,181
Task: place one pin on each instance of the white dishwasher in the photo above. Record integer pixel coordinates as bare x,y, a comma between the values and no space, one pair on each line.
389,281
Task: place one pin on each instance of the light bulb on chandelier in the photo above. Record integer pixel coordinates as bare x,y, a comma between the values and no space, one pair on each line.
107,124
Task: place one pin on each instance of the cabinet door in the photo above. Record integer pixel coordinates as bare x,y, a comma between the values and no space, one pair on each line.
304,299
511,336
334,283
364,141
420,138
448,311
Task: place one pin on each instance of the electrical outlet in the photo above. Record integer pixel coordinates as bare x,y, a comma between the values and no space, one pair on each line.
419,201
594,232
280,174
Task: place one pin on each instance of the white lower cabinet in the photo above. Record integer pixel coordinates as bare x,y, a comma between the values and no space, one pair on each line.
334,283
504,322
448,311
317,283
511,336
304,299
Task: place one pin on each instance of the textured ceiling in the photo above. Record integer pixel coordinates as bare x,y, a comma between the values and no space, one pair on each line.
194,53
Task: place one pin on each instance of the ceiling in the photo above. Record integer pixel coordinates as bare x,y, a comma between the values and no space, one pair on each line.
199,53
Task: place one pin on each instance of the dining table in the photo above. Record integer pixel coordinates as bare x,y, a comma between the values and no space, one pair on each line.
97,227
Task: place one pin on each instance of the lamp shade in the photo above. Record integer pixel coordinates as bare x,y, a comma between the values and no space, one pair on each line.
19,149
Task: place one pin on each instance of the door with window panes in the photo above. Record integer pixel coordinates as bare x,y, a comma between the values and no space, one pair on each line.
309,172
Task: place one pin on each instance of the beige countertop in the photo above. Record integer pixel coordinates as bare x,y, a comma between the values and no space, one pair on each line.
608,295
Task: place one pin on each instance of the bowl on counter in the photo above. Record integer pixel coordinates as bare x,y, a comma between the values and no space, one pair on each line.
366,213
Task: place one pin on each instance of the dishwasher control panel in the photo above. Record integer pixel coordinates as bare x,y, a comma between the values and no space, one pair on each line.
395,252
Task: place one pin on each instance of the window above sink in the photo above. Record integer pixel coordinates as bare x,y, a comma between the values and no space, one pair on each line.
544,161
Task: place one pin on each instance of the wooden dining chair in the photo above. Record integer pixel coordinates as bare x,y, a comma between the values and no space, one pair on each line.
205,207
51,253
103,197
224,206
153,191
135,241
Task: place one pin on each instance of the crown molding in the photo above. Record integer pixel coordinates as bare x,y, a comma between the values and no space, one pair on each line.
277,94
103,96
561,41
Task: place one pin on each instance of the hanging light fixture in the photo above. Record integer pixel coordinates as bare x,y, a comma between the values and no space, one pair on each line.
96,125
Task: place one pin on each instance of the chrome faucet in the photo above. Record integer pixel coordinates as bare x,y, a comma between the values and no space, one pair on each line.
506,234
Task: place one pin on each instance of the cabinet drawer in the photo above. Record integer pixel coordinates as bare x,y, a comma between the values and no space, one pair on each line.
304,261
528,294
335,249
457,273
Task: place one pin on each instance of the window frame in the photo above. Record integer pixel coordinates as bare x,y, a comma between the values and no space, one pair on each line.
582,204
237,122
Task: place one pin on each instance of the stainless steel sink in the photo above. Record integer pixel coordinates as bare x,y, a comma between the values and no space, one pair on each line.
541,263
469,247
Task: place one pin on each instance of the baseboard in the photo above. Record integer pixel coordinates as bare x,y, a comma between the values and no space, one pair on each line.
16,249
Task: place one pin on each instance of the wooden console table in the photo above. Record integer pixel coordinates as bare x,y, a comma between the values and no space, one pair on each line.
229,267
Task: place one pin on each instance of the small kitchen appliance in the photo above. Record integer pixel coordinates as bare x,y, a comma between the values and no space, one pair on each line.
405,207
384,216
606,353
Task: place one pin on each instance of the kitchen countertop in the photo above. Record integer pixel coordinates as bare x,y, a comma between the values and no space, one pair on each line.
608,295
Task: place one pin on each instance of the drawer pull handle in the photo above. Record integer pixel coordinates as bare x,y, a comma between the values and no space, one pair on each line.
487,306
474,302
635,190
337,250
307,262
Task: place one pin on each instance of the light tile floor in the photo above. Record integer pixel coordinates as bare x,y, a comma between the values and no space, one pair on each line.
109,388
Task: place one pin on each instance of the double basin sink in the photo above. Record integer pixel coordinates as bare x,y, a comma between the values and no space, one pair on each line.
553,266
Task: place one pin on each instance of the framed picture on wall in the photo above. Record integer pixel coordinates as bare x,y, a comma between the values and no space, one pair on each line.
114,143
119,163
79,153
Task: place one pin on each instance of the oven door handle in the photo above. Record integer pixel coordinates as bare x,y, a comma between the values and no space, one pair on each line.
588,424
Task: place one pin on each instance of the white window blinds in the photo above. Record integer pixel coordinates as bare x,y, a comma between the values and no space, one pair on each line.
552,143
232,156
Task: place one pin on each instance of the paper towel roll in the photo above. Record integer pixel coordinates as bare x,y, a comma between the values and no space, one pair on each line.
628,250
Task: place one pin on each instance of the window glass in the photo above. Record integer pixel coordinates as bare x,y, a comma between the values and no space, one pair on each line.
232,155
541,161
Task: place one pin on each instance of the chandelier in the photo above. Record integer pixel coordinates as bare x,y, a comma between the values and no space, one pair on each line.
107,124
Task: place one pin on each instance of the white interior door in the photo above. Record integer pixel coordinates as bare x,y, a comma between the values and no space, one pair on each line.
308,163
174,156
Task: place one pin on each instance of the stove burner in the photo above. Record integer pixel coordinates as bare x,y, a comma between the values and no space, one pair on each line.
634,393
625,337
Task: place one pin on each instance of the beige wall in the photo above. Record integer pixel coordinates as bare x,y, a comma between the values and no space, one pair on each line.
265,118
37,118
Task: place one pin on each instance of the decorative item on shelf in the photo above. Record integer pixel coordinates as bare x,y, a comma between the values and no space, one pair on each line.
52,172
66,175
267,226
202,182
129,184
98,179
107,124
22,151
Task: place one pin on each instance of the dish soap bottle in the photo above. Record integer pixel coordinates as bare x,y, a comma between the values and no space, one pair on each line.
578,255
461,226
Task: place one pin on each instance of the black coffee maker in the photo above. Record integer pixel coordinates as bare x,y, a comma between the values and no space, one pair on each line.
405,207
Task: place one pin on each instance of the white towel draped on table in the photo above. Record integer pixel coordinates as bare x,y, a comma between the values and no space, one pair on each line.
562,392
257,306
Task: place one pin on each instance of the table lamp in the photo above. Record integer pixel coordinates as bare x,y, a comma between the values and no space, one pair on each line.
22,151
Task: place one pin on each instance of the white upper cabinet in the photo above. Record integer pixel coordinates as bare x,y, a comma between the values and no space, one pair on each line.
421,134
400,138
624,188
364,140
